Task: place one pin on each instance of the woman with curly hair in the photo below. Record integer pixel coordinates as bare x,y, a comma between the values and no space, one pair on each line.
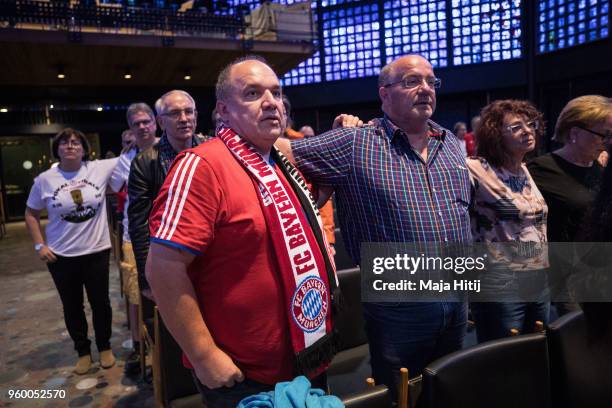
509,214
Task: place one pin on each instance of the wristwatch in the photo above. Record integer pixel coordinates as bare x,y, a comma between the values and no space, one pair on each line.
38,247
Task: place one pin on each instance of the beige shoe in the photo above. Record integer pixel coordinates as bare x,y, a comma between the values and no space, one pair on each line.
83,365
107,359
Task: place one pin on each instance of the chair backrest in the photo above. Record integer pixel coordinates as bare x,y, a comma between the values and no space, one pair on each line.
372,397
510,372
177,380
581,370
350,322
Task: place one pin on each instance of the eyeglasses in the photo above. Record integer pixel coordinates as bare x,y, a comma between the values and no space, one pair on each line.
533,125
602,135
144,122
73,143
413,82
176,114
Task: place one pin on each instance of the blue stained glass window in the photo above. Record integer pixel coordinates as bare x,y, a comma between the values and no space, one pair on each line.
574,23
358,32
426,21
495,23
307,72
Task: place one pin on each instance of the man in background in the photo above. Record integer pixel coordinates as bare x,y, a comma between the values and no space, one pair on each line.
139,137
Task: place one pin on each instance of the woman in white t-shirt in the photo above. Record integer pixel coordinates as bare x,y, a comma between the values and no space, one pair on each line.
78,241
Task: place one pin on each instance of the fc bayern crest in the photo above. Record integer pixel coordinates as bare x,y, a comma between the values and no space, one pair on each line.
310,304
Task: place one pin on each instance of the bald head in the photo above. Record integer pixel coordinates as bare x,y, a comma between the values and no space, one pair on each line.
407,92
250,101
307,131
388,72
224,85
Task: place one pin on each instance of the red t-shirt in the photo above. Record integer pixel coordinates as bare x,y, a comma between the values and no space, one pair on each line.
209,206
470,143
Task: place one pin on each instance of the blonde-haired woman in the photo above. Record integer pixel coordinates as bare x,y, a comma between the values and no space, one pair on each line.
569,177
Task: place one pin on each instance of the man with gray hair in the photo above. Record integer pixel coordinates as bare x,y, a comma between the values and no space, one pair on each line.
238,262
142,128
402,178
177,117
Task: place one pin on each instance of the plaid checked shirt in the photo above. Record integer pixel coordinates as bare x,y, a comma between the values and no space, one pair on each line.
385,192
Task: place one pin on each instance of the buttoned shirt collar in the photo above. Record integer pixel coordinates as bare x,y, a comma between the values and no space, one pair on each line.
392,130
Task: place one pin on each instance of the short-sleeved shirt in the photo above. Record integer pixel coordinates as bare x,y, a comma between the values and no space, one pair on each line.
119,179
209,206
76,204
385,192
508,207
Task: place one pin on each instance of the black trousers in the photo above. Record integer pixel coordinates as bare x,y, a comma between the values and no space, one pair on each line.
70,274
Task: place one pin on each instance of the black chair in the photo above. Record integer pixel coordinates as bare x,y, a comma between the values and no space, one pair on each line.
372,397
507,373
581,370
350,365
173,383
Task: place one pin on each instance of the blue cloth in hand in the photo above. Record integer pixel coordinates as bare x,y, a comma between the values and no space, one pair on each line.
292,394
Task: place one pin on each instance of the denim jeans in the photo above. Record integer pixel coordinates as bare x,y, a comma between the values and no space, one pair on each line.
411,335
495,320
225,397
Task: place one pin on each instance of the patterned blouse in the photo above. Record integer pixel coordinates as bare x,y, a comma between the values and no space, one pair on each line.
508,208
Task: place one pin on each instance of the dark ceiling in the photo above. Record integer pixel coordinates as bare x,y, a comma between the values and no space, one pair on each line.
33,57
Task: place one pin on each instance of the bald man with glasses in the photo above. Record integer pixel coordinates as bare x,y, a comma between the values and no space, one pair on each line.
401,178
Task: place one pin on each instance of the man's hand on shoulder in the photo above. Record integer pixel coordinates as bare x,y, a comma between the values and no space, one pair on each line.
129,146
345,120
217,370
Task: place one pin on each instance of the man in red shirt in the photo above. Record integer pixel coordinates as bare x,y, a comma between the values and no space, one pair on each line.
238,262
470,137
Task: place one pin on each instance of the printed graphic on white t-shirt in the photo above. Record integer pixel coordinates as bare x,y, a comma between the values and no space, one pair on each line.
79,213
76,205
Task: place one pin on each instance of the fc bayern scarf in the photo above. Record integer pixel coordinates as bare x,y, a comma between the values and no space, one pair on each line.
307,271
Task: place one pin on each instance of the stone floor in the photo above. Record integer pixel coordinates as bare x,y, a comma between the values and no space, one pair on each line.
36,352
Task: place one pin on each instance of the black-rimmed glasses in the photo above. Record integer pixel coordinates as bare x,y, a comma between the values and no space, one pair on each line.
602,135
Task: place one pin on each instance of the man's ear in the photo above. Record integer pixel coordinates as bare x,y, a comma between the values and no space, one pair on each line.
383,93
160,122
572,135
222,110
